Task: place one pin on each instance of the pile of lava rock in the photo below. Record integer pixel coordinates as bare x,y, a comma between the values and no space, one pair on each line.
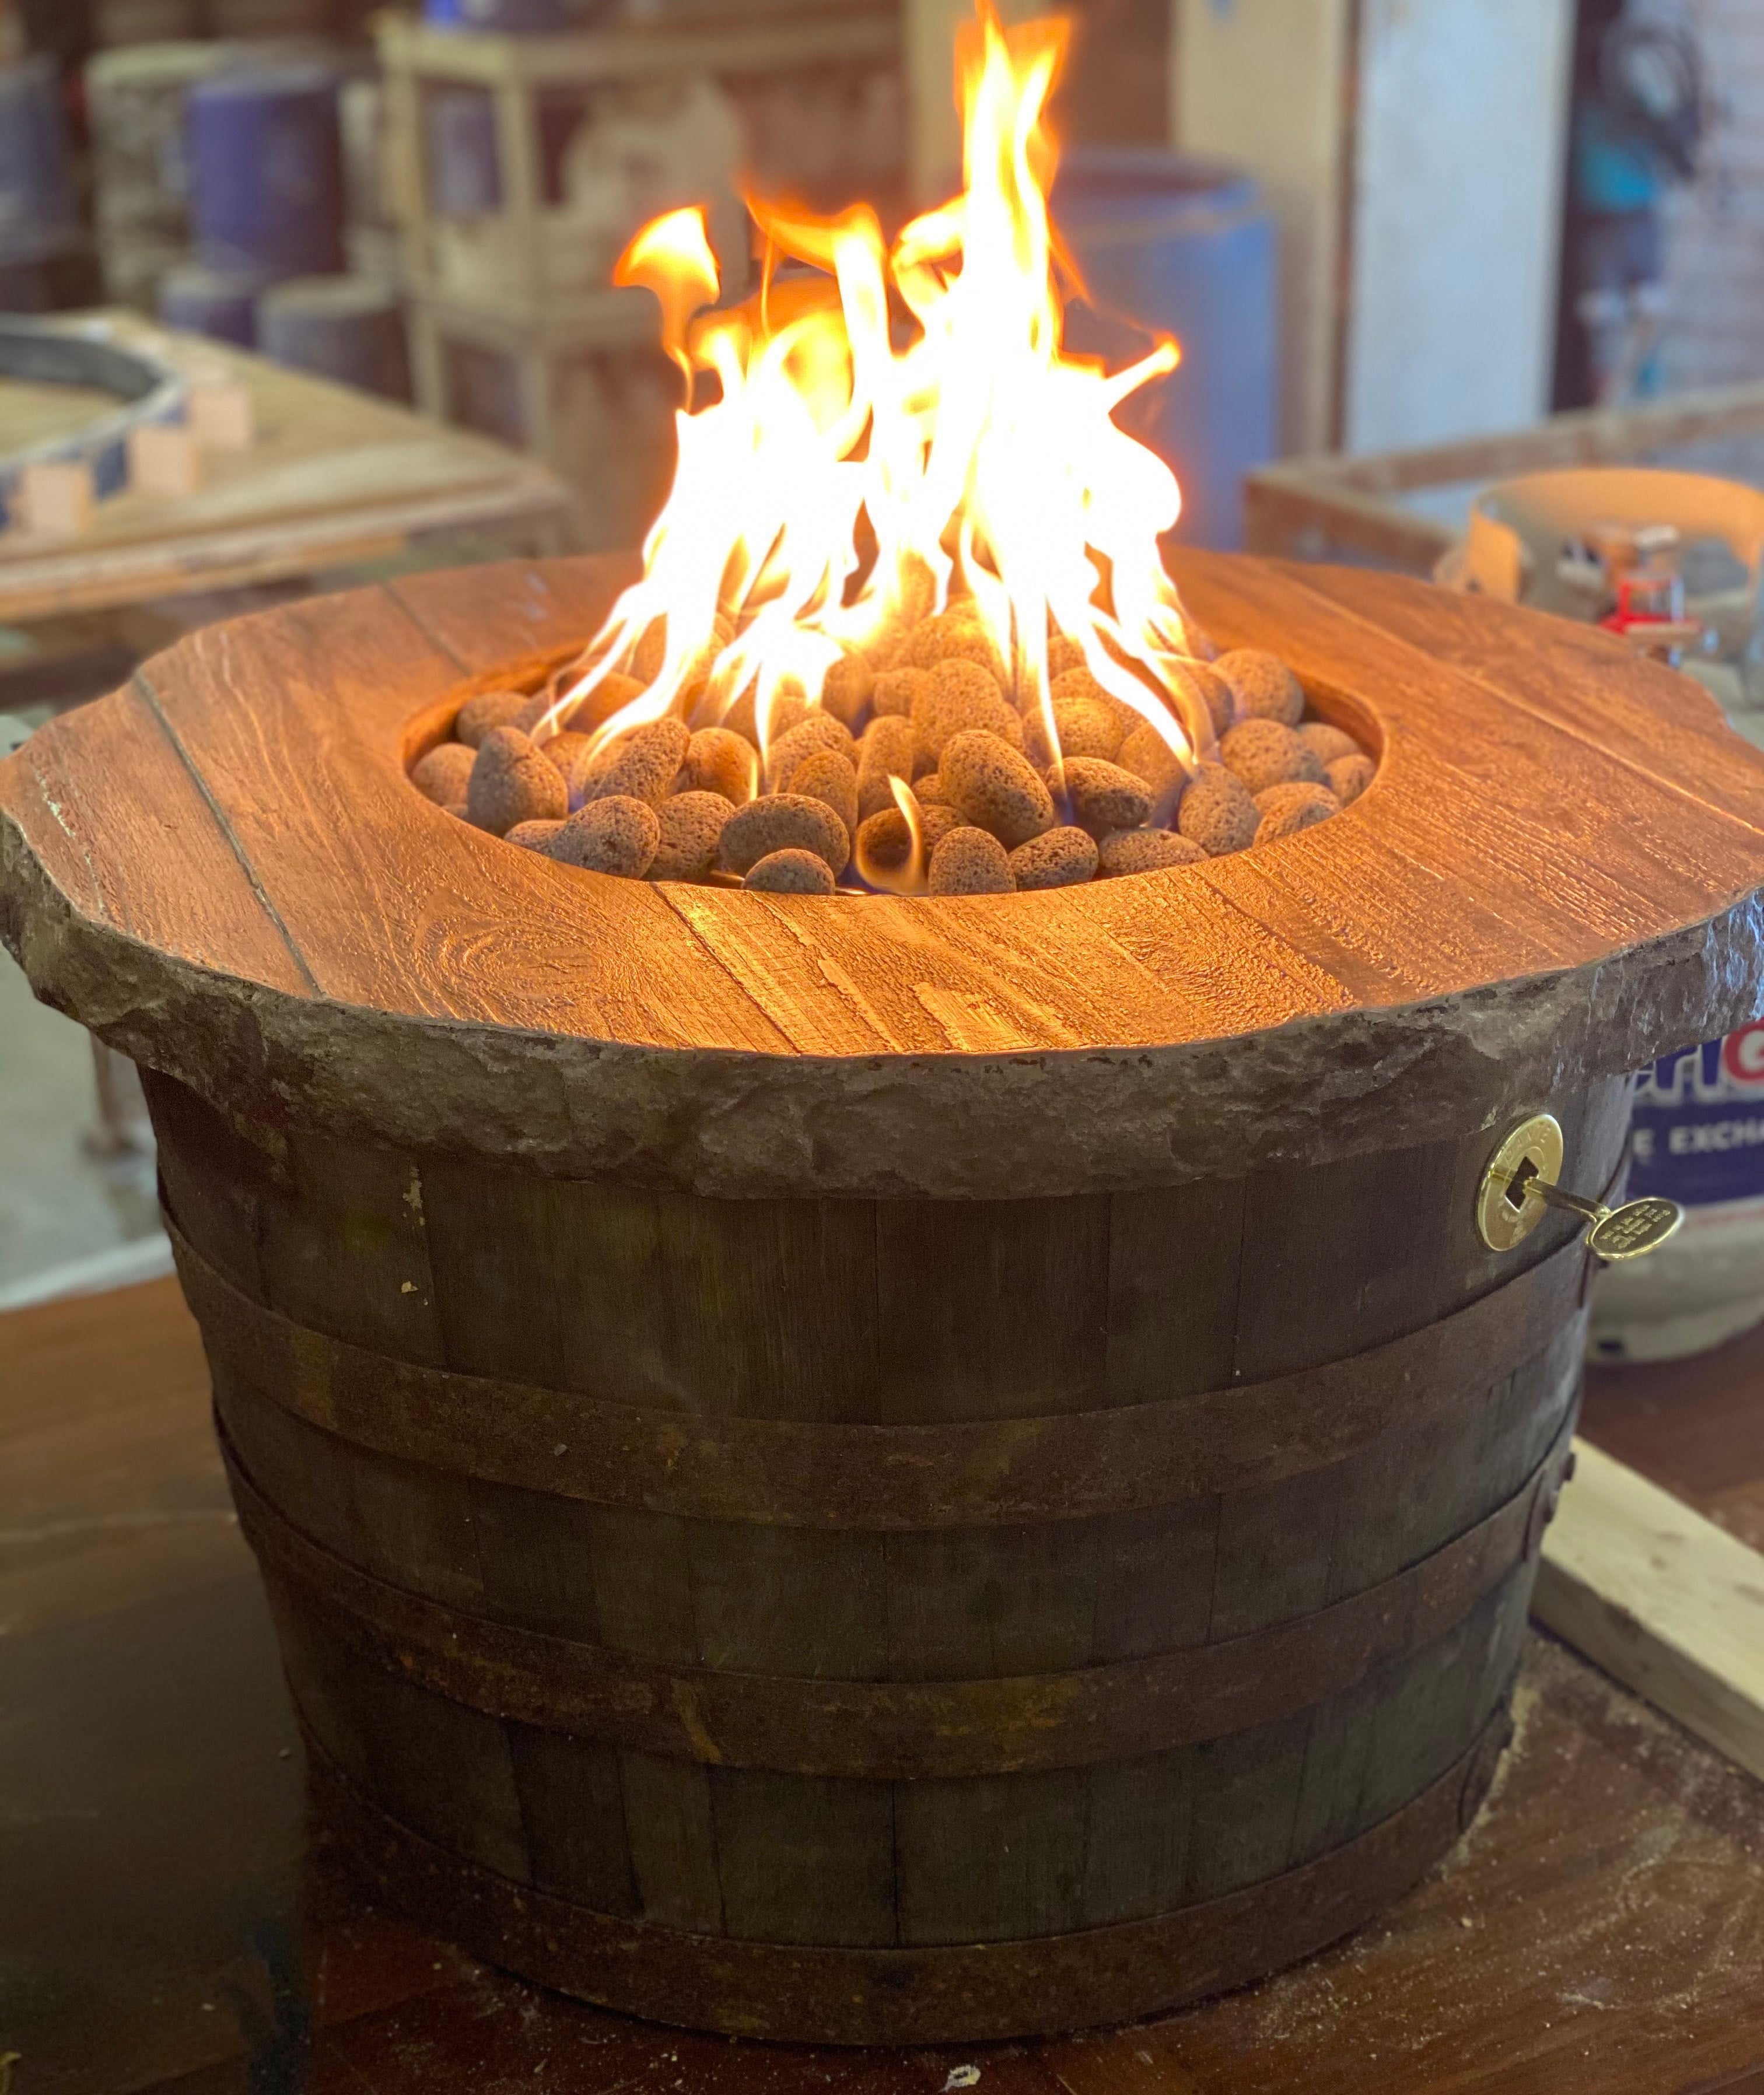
997,808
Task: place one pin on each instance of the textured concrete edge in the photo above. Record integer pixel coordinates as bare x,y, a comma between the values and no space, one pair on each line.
1015,1125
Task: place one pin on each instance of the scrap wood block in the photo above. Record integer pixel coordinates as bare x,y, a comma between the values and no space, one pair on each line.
1666,1601
219,414
163,459
55,497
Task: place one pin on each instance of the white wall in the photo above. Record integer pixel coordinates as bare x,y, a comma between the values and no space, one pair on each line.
1458,169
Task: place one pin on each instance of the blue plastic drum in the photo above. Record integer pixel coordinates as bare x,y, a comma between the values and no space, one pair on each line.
267,173
199,301
38,215
1186,247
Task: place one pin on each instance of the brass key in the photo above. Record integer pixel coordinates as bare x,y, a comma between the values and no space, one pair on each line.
1519,1182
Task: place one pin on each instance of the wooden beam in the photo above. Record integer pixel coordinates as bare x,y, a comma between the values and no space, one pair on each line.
1666,1601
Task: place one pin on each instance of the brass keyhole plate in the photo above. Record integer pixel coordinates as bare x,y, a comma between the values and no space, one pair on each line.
1532,1150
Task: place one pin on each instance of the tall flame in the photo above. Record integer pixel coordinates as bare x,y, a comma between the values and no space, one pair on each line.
896,428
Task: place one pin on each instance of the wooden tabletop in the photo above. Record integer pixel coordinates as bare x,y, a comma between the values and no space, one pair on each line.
168,1924
335,478
224,872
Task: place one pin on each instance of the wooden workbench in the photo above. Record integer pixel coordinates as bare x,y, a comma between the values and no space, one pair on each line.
166,1923
336,478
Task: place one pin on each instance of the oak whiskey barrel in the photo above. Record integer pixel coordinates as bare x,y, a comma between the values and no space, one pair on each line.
893,1471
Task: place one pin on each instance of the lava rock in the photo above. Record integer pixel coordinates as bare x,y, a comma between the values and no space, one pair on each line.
885,752
1149,757
1348,776
440,776
642,765
995,787
959,634
1103,796
935,823
1087,729
1209,696
828,776
533,836
611,696
1144,850
651,651
1299,804
1057,858
884,847
535,714
718,761
1265,753
566,751
962,695
1217,812
1079,687
789,872
783,821
1327,742
1262,686
618,835
930,791
690,827
789,709
820,731
896,691
512,781
490,709
1064,653
846,688
459,809
970,862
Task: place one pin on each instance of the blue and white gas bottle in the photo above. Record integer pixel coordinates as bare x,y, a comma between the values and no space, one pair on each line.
1697,1138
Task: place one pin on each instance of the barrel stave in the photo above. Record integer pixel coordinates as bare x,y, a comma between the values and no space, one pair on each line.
553,1716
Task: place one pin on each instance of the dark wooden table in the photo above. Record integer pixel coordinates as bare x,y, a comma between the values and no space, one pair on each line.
168,1923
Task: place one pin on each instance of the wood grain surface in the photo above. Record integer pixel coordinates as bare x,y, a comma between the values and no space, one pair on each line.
168,1927
1437,959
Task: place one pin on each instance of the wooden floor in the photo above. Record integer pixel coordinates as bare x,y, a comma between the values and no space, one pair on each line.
165,1924
1695,1427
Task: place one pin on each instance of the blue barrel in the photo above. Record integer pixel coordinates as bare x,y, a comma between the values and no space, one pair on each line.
1186,247
199,301
267,173
38,215
539,17
348,329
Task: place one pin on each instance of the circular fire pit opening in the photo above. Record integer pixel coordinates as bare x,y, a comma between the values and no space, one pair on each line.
926,737
903,1473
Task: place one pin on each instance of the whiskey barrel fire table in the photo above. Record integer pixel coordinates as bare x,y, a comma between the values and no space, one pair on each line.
889,1470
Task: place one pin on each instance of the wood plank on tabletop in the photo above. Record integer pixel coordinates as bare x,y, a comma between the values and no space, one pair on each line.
1558,873
1662,1599
1053,970
513,609
395,904
1549,666
109,805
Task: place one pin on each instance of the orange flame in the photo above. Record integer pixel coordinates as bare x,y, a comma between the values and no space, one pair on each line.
671,257
972,459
